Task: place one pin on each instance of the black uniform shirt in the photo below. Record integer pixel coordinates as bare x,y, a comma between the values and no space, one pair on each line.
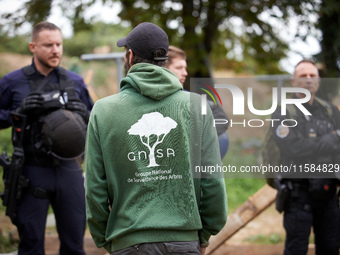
312,141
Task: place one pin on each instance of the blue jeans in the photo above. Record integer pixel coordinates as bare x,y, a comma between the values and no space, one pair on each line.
192,247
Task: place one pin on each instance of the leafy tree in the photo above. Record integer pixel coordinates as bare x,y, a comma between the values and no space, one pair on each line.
152,129
17,44
209,30
81,42
329,23
204,29
101,34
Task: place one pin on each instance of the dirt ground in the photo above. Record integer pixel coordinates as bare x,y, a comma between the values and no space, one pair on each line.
267,224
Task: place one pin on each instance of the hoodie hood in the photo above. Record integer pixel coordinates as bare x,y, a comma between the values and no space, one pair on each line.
151,81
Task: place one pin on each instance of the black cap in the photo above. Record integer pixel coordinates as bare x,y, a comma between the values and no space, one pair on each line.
144,39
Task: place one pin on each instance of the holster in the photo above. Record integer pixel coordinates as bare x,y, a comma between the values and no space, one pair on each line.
282,195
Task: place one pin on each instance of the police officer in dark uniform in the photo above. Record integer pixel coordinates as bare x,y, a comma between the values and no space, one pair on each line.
311,149
56,104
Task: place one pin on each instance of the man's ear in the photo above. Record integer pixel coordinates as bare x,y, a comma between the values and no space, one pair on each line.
131,57
31,46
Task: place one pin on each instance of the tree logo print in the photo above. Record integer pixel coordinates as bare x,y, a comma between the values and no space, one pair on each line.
152,124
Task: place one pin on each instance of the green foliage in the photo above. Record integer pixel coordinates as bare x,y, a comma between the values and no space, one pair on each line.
328,23
2,208
261,239
206,30
6,245
80,43
236,156
218,29
239,189
271,239
6,141
38,10
5,146
101,75
101,34
17,44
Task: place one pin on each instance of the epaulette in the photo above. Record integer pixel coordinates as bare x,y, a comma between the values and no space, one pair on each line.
28,70
62,72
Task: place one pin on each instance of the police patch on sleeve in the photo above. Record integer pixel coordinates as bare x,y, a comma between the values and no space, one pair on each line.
282,131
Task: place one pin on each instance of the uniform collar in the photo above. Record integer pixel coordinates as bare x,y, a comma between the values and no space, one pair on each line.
53,72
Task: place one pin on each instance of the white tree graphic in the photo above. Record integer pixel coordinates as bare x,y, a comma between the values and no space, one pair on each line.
152,124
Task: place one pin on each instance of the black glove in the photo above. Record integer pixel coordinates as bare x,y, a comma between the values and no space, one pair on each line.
75,105
30,103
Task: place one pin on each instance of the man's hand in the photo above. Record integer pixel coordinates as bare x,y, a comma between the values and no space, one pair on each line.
75,105
31,102
203,250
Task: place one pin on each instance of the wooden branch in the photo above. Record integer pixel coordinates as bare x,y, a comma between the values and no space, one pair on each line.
255,204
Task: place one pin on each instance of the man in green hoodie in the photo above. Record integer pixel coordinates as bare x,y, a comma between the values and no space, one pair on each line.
148,149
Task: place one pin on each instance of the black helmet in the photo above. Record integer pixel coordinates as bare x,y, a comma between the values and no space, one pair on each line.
64,133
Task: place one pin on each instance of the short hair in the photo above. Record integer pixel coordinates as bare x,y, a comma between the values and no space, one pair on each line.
175,52
157,53
43,26
305,60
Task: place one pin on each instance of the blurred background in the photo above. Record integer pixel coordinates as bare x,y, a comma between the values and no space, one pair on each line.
222,39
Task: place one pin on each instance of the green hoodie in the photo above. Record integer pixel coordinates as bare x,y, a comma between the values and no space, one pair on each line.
142,146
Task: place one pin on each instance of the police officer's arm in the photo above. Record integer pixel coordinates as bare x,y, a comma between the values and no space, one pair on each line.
81,90
296,144
85,97
82,103
16,101
336,116
5,103
336,119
